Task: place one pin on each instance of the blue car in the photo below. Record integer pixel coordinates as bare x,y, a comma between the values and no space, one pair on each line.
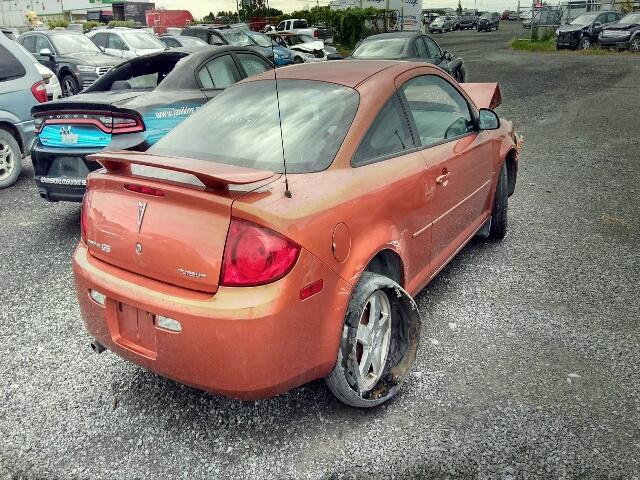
282,56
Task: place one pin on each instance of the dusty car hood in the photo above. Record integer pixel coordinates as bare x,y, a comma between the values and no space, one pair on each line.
97,59
571,28
622,26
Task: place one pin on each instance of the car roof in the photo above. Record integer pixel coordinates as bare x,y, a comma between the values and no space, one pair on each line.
394,35
349,73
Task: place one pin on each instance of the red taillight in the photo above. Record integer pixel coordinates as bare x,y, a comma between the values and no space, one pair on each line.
255,255
315,33
39,90
154,192
108,122
83,219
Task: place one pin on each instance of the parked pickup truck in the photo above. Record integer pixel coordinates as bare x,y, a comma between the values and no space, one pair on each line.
301,27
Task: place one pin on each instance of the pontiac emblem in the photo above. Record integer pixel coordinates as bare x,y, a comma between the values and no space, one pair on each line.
142,207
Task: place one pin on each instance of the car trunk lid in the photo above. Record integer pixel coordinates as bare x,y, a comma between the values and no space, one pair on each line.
168,229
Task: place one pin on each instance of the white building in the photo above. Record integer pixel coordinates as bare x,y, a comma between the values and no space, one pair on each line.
12,12
409,10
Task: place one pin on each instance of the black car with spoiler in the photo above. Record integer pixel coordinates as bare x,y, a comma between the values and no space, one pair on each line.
131,107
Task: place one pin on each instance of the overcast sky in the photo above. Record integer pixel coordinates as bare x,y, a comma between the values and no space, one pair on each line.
200,8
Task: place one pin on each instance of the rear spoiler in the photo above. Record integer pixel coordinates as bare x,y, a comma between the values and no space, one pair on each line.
211,174
483,95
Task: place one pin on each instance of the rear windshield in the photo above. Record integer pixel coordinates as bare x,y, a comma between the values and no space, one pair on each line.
380,48
315,119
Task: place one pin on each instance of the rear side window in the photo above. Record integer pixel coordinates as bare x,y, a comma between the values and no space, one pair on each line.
100,39
253,64
221,72
170,42
388,134
315,119
299,24
11,66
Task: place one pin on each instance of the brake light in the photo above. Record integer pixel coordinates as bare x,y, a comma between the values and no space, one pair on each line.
154,192
84,219
315,33
255,255
112,123
39,91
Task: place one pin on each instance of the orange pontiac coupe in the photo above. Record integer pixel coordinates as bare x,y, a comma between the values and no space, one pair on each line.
204,261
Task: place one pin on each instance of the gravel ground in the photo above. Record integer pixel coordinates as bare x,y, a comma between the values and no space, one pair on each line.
529,359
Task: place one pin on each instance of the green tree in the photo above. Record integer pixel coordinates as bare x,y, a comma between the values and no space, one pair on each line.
459,9
627,7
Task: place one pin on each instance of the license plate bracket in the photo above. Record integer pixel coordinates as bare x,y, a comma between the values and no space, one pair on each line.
136,329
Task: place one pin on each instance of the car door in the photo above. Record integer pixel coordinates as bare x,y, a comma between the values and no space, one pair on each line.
458,159
43,44
598,25
388,156
434,53
217,73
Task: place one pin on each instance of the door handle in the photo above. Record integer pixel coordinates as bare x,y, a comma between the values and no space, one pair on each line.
441,179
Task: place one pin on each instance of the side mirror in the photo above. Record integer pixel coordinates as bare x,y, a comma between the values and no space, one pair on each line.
45,52
102,49
488,120
597,24
446,55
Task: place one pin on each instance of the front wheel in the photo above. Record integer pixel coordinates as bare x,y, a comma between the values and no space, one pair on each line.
585,43
298,60
70,85
634,46
378,345
498,228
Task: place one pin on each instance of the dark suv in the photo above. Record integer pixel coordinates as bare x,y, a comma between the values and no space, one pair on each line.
468,22
624,34
488,21
583,31
73,57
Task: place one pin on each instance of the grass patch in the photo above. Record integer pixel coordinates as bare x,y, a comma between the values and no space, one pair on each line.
529,46
549,45
342,50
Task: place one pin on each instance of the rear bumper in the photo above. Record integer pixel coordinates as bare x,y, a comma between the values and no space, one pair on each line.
245,343
61,174
26,131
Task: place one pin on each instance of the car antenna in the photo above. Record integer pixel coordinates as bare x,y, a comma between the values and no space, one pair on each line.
287,192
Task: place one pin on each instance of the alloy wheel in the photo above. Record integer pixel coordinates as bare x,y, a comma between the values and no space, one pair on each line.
372,340
68,87
585,44
635,45
7,160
